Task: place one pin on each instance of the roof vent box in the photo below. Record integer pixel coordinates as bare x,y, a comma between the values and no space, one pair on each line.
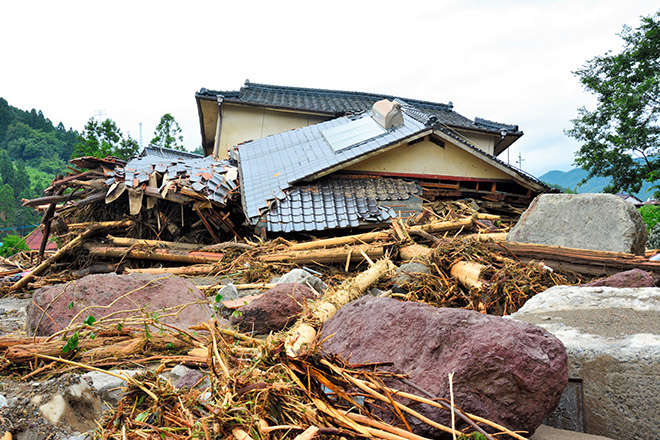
387,114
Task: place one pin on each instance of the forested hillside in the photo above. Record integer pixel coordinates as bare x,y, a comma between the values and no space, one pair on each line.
32,152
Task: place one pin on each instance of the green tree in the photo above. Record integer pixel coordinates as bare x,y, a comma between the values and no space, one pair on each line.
7,205
7,170
102,139
621,137
168,134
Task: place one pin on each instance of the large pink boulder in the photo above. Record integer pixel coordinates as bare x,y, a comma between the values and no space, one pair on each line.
53,307
510,373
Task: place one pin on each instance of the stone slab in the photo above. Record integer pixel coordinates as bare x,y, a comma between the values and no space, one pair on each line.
612,337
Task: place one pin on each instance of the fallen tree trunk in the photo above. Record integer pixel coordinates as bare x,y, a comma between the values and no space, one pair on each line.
194,257
368,237
334,255
95,227
198,269
302,333
122,241
455,225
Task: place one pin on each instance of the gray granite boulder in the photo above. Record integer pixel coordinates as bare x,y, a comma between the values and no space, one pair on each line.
612,337
601,222
133,295
510,373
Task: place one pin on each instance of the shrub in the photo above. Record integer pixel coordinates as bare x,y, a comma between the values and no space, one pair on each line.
13,244
650,215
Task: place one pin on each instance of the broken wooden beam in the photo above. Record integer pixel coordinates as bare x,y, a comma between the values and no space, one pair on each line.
178,256
584,261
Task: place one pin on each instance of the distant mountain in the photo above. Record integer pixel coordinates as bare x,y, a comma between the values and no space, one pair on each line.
570,179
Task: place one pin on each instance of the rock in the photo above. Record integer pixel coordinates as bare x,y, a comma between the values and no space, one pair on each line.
406,273
510,373
185,378
629,278
53,307
3,401
548,433
78,407
278,308
601,222
110,388
301,276
612,337
229,292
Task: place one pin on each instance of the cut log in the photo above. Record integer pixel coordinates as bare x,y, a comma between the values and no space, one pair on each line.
194,257
414,252
467,273
334,255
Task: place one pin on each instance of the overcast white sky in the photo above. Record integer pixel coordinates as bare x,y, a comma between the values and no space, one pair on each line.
508,61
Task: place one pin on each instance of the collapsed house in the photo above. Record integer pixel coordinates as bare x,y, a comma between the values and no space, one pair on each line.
313,160
286,159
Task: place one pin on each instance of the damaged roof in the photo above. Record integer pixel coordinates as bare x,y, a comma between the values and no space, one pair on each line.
342,202
270,166
340,102
211,178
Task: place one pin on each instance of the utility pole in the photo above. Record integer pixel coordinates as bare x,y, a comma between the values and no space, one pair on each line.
140,136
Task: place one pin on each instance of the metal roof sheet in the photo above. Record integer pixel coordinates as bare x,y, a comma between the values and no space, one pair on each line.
273,164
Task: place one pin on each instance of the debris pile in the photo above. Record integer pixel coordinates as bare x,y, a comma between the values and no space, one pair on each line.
166,216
